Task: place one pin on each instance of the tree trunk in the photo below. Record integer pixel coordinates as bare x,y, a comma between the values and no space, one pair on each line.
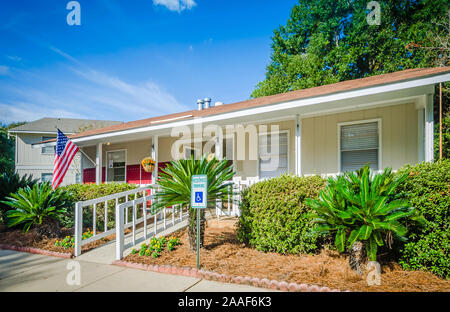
192,228
51,228
358,257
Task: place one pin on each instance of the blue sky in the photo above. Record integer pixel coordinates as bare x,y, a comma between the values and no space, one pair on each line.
131,60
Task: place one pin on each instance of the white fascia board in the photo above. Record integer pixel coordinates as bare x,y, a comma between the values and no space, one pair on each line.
37,132
275,107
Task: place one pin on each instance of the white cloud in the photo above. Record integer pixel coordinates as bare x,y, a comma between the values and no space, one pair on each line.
21,111
4,70
176,5
14,58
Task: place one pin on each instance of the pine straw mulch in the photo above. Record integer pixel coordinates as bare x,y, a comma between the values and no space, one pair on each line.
224,254
31,239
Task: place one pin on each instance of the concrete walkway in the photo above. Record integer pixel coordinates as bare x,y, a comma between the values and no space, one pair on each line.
106,253
28,272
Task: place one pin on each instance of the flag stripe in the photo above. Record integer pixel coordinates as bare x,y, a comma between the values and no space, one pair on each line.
61,161
64,153
62,168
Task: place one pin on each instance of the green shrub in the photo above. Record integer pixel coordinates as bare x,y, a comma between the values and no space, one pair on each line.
36,206
428,190
11,183
83,192
274,215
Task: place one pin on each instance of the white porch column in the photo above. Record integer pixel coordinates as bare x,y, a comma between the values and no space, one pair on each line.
421,134
98,163
429,129
298,146
218,146
155,157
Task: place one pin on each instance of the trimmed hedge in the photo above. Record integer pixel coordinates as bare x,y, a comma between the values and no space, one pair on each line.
82,192
274,215
428,190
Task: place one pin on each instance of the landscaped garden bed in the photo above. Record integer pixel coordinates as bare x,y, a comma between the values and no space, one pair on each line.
18,238
224,254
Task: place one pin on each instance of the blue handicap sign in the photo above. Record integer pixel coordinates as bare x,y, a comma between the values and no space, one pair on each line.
199,197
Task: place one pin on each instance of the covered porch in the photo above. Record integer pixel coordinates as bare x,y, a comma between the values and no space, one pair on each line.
389,129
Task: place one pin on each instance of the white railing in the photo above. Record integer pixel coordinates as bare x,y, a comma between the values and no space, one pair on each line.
92,204
141,203
122,216
233,203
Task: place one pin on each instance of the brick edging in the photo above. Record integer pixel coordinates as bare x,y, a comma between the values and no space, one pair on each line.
225,278
36,251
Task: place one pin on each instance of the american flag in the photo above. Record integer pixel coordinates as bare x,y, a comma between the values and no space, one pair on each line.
65,151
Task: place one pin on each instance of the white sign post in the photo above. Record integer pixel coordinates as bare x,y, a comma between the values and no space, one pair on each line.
199,200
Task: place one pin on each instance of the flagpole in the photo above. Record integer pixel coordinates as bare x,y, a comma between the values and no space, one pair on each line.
82,152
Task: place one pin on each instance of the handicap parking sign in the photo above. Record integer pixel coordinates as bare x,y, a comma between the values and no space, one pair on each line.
198,197
199,189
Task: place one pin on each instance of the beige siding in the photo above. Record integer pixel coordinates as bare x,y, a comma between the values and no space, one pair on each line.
31,161
319,142
398,141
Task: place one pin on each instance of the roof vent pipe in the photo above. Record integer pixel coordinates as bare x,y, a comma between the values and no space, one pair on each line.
207,102
218,103
200,104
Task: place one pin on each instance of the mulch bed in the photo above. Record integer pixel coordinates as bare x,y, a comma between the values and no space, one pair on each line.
223,254
30,239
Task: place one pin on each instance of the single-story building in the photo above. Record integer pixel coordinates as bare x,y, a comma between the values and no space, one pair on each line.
384,120
39,162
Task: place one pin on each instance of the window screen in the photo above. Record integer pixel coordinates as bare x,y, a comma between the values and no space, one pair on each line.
273,161
48,149
46,177
359,146
116,166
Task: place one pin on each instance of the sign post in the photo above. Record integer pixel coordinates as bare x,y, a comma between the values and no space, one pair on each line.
199,200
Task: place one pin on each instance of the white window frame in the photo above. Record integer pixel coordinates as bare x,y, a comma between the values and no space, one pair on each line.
231,136
288,150
196,151
349,123
107,166
47,138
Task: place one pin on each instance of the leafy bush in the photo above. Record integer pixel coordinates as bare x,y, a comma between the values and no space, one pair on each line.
11,183
428,189
362,206
69,241
37,206
274,215
156,246
83,192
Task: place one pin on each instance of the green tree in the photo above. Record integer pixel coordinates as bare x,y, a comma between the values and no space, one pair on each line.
327,41
7,148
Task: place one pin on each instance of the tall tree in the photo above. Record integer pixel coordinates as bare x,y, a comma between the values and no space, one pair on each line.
7,144
326,41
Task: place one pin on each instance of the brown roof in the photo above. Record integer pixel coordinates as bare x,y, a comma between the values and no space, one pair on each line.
278,98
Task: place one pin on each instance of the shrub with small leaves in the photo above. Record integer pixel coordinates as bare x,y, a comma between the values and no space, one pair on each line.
274,215
428,190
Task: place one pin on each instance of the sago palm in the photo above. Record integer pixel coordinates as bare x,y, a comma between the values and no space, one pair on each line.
38,206
174,188
11,183
362,207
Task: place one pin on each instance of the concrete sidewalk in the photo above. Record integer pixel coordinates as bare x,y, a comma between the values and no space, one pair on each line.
28,272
